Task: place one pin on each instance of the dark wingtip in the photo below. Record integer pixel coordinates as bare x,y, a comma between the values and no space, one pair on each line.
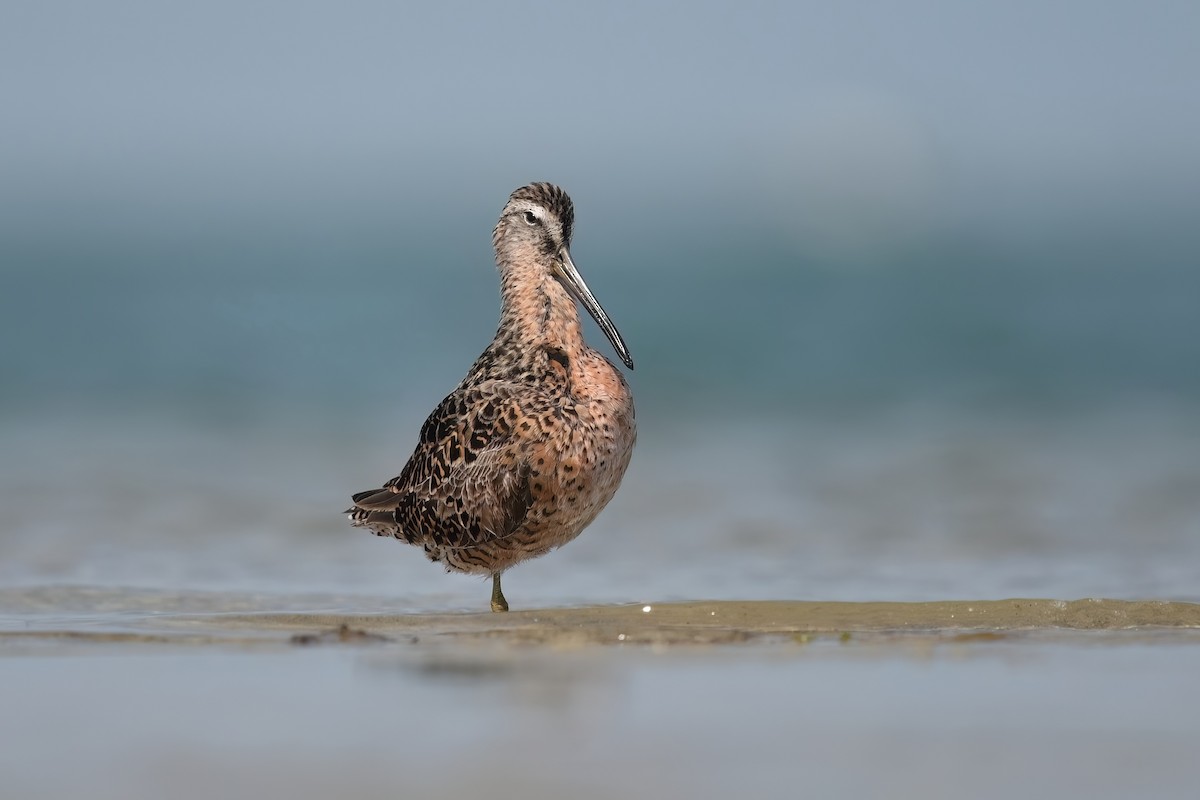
358,497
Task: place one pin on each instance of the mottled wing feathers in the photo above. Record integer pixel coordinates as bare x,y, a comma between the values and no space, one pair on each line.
467,481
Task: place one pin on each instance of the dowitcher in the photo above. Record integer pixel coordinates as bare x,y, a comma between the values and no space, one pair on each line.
533,443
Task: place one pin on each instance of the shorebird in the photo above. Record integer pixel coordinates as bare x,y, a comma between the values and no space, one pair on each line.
533,443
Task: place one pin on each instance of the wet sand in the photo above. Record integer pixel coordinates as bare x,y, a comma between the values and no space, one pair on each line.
114,616
732,622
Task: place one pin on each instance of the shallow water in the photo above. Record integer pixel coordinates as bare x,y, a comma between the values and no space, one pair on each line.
145,694
904,509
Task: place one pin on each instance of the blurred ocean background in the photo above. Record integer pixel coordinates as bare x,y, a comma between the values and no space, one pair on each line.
913,289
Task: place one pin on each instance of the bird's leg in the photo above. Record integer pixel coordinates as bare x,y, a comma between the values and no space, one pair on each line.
498,601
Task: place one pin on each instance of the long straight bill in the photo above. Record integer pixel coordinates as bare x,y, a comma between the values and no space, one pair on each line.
579,290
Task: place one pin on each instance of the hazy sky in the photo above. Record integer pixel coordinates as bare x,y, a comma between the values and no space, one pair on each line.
869,115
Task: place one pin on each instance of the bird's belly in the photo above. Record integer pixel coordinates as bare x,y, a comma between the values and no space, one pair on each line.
591,464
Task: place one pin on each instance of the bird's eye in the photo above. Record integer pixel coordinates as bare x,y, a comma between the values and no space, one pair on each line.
531,218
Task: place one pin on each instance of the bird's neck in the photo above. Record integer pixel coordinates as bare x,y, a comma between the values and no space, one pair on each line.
536,309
